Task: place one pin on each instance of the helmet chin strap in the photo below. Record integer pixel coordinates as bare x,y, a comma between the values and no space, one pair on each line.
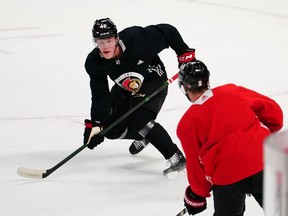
120,51
116,46
188,97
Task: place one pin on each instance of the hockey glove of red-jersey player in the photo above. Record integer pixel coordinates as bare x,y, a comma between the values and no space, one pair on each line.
92,134
194,203
187,56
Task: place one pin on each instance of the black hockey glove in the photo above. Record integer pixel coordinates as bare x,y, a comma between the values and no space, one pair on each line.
194,203
92,134
187,56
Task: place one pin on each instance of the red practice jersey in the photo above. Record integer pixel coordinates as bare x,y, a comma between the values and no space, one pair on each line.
222,135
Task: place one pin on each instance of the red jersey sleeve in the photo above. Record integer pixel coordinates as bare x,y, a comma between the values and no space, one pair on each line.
195,172
266,109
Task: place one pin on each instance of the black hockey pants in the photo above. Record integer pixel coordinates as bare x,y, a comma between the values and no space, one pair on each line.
129,128
229,200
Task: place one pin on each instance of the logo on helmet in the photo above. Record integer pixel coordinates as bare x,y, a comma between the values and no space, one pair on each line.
103,26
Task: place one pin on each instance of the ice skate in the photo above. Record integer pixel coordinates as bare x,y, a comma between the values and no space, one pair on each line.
137,146
177,164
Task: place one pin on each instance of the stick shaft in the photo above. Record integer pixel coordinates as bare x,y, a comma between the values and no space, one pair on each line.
182,212
44,173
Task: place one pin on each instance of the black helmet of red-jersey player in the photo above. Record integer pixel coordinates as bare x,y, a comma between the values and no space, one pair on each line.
104,28
193,76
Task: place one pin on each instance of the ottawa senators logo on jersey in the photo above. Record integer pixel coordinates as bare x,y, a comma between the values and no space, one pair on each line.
130,81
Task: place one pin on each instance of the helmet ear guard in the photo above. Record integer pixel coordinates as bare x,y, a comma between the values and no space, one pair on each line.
104,28
193,76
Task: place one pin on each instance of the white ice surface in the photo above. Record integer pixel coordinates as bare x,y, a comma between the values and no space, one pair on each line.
45,96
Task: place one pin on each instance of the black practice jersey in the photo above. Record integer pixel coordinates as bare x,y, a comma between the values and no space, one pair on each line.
138,64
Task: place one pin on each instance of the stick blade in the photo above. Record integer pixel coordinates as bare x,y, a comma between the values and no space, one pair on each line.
31,173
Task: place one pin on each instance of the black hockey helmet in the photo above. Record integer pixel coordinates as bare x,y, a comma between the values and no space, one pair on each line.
193,76
104,28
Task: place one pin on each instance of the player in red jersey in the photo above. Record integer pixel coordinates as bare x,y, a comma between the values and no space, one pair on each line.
222,136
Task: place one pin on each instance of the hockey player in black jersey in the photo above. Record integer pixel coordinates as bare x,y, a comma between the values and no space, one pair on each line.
130,59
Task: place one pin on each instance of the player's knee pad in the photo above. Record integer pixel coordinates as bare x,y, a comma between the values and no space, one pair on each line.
147,128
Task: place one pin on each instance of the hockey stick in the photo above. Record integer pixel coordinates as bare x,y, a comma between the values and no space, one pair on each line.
181,213
43,173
